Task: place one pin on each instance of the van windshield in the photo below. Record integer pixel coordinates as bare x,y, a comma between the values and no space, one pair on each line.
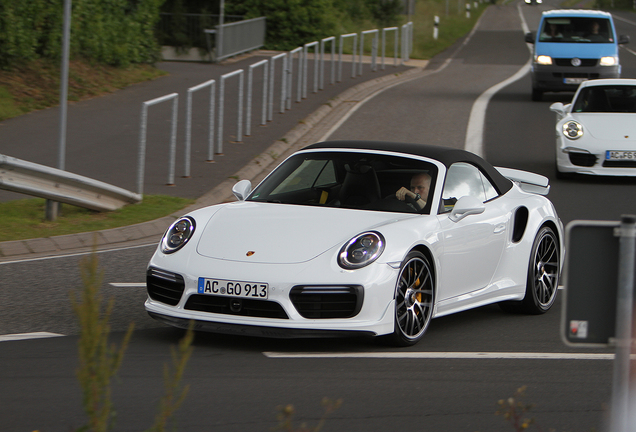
577,30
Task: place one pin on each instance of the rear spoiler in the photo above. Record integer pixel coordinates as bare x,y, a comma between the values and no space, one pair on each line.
529,182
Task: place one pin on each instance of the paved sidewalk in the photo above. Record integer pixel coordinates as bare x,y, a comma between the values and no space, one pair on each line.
313,128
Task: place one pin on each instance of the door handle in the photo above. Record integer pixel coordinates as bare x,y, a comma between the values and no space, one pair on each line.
500,228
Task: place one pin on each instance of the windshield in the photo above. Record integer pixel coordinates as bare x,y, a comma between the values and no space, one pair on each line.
610,98
351,180
579,30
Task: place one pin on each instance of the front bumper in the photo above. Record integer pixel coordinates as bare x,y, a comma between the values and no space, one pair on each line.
553,77
282,314
592,163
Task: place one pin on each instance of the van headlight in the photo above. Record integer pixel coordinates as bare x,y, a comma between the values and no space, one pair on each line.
178,235
543,60
361,250
572,130
609,61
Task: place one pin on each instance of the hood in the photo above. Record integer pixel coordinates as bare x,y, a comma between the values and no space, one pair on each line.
580,50
282,233
608,127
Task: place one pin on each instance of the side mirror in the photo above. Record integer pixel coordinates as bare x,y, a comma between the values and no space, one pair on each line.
623,39
242,189
529,38
467,205
558,108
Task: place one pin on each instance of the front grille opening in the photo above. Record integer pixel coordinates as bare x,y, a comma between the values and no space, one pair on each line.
582,159
321,302
567,62
619,164
163,286
235,306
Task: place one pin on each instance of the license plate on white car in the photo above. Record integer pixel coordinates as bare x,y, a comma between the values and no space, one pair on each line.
574,80
230,288
613,155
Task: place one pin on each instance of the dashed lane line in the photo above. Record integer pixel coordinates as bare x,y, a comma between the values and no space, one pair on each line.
24,336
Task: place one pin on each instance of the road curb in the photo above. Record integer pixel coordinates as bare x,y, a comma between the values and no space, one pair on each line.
309,130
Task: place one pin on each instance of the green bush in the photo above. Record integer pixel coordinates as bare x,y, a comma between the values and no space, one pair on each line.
113,32
291,23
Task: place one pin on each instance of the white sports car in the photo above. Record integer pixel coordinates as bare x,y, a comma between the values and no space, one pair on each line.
596,133
361,237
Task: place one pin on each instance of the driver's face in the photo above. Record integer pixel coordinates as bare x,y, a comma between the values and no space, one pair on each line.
420,185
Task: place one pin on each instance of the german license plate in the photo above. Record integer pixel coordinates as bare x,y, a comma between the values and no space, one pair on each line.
613,155
574,80
230,288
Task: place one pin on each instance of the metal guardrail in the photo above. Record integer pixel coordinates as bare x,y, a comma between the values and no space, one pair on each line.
29,178
237,37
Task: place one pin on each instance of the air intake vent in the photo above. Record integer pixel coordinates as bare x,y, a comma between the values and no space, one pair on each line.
235,306
163,286
317,302
582,159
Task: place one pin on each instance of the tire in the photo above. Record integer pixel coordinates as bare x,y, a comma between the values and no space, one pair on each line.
537,95
414,299
543,276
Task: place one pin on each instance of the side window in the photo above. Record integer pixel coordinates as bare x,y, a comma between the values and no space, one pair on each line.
463,179
489,189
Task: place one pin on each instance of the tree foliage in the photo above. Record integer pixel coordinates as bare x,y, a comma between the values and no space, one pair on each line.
113,32
291,23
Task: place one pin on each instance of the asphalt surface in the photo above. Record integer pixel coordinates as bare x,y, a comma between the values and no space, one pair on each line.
103,136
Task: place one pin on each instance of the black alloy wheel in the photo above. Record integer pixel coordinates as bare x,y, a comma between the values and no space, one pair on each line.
414,299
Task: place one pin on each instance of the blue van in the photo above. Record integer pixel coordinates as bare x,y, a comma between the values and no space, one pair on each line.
572,46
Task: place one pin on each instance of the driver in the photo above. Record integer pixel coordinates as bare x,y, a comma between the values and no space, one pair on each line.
417,195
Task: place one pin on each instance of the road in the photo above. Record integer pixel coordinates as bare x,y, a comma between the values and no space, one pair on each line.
237,383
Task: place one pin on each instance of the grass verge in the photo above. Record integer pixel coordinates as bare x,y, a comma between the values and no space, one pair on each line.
25,219
36,85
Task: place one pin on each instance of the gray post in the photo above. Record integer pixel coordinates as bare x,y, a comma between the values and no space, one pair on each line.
219,42
624,310
52,207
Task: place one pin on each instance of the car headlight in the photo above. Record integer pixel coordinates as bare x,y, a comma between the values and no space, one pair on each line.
572,130
178,235
609,61
361,250
543,60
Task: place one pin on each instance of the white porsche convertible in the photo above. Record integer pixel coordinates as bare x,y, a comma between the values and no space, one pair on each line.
361,237
596,133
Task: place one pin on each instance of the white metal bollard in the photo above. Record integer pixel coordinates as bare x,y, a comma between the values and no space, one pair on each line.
188,143
353,52
250,80
239,132
142,139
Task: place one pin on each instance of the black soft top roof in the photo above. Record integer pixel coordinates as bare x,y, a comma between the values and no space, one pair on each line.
445,155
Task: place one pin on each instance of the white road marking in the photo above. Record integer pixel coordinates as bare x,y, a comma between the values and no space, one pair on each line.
77,254
23,336
128,284
448,355
476,121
